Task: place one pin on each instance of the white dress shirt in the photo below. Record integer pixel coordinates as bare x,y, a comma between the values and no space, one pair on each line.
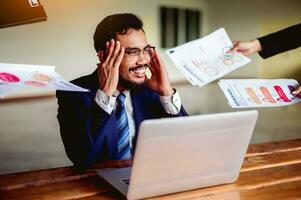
171,104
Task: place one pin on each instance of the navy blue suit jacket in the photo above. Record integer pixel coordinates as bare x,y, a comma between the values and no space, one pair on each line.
89,133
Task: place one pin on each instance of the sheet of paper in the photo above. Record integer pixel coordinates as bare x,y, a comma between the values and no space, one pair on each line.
250,93
207,59
18,76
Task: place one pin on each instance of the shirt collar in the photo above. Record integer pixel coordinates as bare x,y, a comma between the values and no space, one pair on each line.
125,92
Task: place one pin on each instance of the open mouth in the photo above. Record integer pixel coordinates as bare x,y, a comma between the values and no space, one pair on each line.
138,71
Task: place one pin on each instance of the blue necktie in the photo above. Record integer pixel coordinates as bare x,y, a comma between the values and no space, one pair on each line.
124,150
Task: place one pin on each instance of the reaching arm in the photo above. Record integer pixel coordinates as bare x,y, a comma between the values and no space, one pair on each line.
278,42
272,44
247,47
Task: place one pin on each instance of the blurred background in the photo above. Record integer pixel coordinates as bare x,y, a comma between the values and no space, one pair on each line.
29,130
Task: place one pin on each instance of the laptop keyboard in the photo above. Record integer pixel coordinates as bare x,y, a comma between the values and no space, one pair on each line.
126,181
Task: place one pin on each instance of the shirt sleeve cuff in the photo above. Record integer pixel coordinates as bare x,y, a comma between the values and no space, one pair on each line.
172,104
106,102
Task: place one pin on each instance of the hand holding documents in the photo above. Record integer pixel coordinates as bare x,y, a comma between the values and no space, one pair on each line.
207,59
260,92
18,76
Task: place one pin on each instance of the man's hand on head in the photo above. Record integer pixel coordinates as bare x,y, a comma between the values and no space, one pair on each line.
108,68
159,80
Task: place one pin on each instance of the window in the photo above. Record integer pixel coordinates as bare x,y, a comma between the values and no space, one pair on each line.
179,26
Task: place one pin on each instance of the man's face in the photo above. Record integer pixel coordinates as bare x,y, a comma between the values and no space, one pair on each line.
136,58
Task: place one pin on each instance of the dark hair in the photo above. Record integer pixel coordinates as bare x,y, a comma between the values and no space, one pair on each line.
113,24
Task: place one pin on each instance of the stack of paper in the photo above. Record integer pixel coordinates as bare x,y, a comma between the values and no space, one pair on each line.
19,76
207,59
246,93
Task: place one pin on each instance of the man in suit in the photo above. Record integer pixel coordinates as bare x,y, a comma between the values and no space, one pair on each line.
272,44
102,124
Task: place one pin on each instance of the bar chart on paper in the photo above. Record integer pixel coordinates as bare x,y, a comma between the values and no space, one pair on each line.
19,76
248,93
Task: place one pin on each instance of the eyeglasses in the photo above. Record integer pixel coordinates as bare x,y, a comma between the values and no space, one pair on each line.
134,53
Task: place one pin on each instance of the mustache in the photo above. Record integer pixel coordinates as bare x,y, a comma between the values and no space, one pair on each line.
136,67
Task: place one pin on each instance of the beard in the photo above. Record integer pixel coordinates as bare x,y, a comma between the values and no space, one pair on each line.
130,85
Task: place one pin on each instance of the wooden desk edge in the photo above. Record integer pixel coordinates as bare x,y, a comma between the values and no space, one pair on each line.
55,175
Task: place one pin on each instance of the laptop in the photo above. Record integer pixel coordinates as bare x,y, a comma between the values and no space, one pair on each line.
185,153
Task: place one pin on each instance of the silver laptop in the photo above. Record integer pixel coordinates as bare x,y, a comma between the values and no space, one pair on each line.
185,153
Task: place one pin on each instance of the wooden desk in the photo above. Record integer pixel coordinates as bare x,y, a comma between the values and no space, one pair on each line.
270,171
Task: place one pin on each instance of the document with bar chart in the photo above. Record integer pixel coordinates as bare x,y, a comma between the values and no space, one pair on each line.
19,76
204,60
250,93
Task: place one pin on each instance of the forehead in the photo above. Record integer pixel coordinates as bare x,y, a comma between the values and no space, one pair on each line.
132,39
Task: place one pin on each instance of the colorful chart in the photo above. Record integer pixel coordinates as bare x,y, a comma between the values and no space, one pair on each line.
252,95
282,95
14,77
229,57
228,61
8,77
226,52
41,77
267,95
204,60
35,83
247,93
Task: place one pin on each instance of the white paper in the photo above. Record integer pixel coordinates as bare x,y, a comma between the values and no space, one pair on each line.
207,59
19,76
250,93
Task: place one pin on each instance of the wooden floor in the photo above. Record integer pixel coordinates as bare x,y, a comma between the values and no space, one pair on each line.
270,171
